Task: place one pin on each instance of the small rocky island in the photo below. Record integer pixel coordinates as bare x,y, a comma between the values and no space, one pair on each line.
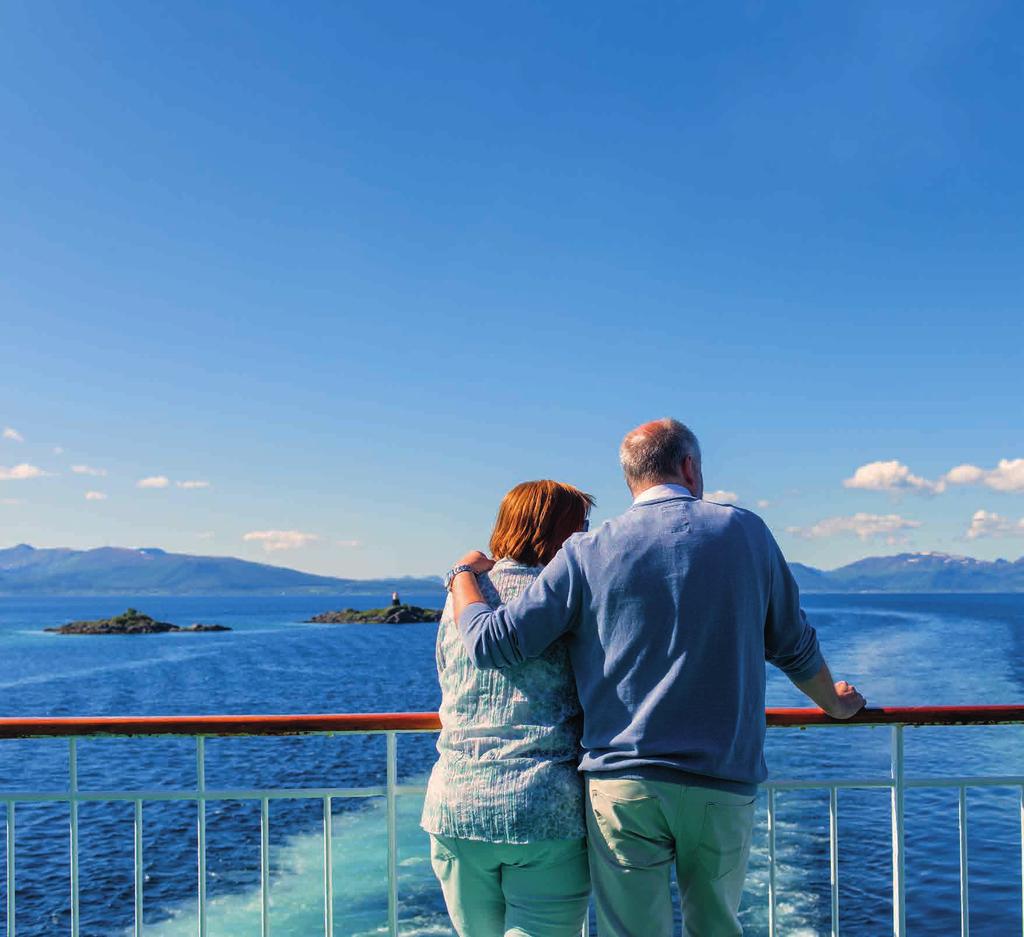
392,615
130,621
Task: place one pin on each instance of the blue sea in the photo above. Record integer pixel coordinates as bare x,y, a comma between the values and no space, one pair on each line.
899,649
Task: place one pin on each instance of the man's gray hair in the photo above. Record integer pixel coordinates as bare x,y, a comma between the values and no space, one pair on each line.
656,450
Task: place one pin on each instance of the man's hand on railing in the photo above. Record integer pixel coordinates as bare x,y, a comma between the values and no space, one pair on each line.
848,701
839,700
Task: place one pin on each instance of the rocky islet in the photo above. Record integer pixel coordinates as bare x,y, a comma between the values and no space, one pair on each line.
392,615
131,621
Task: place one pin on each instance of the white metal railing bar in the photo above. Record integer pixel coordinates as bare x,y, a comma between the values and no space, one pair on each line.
10,866
201,828
264,867
328,872
138,868
965,925
392,818
1008,780
800,784
73,791
772,897
318,793
899,911
833,854
255,793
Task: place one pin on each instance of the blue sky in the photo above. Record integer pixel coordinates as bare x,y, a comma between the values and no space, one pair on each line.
361,268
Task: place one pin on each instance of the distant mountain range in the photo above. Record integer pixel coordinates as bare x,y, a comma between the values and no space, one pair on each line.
24,570
914,572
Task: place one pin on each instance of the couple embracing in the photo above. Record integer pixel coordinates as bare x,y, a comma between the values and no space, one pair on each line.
603,705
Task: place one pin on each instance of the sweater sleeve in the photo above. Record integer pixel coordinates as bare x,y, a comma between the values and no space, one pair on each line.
510,634
790,642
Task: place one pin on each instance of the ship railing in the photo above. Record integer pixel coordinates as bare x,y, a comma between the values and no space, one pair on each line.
391,725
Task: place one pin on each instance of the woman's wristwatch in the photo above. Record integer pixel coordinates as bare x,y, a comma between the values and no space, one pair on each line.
449,577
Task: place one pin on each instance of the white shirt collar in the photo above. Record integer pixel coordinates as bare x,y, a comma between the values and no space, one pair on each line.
662,491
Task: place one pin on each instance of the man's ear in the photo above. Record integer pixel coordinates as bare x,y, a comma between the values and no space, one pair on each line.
690,473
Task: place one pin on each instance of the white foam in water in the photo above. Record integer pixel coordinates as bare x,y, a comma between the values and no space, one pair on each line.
359,852
80,676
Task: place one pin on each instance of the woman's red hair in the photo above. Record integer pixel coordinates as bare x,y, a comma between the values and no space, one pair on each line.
536,518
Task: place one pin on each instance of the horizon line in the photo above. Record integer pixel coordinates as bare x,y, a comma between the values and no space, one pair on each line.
872,556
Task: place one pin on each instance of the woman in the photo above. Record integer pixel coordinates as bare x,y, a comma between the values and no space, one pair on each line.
504,805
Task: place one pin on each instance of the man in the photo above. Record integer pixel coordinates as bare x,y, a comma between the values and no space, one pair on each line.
670,611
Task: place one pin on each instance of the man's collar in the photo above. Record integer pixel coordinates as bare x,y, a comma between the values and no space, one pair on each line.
658,492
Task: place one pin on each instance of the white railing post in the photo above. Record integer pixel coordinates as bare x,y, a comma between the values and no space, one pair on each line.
264,867
772,898
965,925
138,868
392,817
201,828
833,854
328,871
899,911
73,793
10,868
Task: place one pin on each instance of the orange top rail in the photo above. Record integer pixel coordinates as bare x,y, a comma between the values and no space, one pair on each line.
430,722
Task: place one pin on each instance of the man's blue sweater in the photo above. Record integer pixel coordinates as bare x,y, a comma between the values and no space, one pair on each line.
670,611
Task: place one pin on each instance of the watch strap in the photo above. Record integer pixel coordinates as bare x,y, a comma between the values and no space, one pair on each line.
453,572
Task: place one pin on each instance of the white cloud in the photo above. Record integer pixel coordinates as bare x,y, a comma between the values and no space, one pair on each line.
88,470
1008,475
722,497
891,476
861,525
153,481
352,544
990,524
273,540
20,472
58,450
12,434
206,535
965,475
764,503
95,496
162,481
11,501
